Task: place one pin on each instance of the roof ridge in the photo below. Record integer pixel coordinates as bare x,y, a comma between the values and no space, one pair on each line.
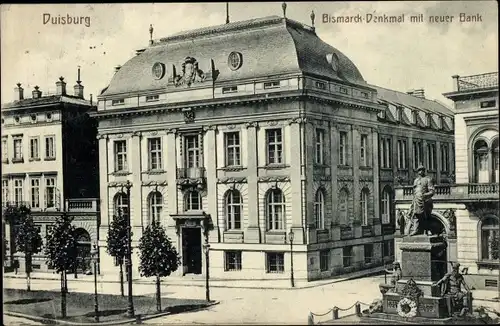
406,94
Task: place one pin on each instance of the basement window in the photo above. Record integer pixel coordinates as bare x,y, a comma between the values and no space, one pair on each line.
152,98
321,85
118,102
230,89
488,104
273,84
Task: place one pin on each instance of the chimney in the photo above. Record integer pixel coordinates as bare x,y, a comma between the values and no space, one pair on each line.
19,92
78,87
36,92
61,86
417,92
456,84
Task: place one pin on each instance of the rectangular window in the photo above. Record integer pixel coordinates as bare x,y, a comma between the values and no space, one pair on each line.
347,256
231,89
274,146
431,156
324,260
385,153
118,102
50,192
343,148
35,193
18,191
155,159
50,150
343,90
232,261
275,262
233,150
320,143
418,153
273,84
364,94
363,159
192,150
368,253
445,156
5,152
152,98
18,148
488,104
402,153
120,155
34,148
388,248
5,191
320,85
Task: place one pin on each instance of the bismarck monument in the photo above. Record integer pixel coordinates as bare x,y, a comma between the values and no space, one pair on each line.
420,290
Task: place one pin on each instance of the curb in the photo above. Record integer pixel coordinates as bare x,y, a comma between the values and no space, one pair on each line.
118,322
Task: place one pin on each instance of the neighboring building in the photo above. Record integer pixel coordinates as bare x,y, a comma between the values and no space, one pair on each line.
49,162
240,133
467,211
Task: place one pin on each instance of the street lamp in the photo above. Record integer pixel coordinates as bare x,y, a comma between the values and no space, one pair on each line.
130,308
206,249
290,237
94,253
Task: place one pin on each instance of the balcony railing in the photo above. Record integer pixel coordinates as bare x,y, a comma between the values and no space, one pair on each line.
463,192
191,173
15,204
346,232
478,81
82,205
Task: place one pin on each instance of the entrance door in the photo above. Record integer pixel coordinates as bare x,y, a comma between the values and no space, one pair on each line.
83,250
191,250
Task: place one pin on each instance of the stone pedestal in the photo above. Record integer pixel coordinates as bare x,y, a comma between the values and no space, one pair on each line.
419,257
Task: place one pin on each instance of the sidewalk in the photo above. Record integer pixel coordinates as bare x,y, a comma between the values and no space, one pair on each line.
199,280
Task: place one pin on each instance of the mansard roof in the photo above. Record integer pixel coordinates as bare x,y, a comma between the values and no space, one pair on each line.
270,46
45,101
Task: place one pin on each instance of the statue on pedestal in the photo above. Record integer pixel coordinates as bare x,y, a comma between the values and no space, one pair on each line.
395,273
452,290
421,206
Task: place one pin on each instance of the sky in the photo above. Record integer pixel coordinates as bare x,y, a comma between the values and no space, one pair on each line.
400,56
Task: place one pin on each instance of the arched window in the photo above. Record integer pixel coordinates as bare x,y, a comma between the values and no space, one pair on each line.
275,203
364,206
385,207
481,161
192,201
489,239
155,206
121,203
494,152
319,209
233,210
343,200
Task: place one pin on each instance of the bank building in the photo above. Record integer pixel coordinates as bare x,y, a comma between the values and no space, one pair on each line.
265,142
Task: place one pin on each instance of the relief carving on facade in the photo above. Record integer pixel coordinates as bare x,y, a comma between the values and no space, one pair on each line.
190,73
171,131
229,180
154,183
319,177
209,127
273,123
449,214
116,184
252,124
345,178
188,116
299,120
274,179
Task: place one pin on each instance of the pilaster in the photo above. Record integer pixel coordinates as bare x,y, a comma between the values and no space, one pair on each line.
410,158
310,152
210,149
136,190
334,161
171,166
424,154
376,173
297,142
103,180
252,234
355,173
438,162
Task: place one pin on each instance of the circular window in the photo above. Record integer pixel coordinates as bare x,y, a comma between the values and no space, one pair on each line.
158,70
333,60
49,116
235,60
17,119
33,117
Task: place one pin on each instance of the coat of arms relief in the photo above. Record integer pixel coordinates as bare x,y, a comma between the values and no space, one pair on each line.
191,73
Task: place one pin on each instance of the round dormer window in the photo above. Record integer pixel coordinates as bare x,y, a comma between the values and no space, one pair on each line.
158,70
17,119
235,60
49,116
33,118
333,60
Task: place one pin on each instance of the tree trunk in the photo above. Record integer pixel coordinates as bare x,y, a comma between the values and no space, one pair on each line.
121,279
63,294
158,294
27,266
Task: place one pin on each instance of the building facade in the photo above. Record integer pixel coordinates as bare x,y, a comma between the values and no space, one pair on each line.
466,212
49,163
237,135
